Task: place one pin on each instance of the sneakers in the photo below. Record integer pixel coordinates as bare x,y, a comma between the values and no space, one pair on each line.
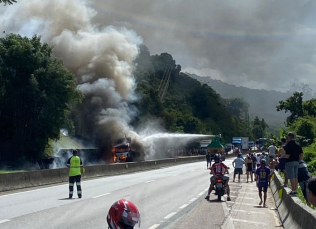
70,196
79,196
228,198
207,197
293,192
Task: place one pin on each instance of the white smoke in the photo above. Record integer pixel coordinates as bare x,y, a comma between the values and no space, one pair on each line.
100,57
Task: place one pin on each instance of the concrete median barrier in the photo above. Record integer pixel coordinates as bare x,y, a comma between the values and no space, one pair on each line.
12,181
293,213
44,177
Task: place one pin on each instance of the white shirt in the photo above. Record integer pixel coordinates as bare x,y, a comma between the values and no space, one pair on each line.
272,149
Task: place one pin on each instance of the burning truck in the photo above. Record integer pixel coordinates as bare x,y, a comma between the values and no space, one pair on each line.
125,150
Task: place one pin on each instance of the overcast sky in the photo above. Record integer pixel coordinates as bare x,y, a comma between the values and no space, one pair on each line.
259,44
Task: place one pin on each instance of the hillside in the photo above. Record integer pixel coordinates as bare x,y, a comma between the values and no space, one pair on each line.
187,107
262,102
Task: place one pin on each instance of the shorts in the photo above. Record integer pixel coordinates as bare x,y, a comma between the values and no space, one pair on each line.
291,169
238,171
263,188
282,164
273,155
224,177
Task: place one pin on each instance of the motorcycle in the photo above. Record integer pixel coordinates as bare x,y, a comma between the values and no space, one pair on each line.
220,188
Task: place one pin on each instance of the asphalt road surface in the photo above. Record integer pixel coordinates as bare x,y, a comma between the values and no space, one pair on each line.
164,197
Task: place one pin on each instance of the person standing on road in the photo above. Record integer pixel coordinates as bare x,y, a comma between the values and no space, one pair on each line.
208,159
74,164
258,157
249,168
273,150
283,161
294,154
237,164
263,181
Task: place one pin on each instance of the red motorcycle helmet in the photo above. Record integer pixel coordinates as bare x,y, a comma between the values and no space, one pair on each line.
123,214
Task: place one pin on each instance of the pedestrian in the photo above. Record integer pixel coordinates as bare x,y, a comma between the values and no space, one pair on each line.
249,168
283,161
273,150
312,190
265,157
238,164
208,160
258,157
302,178
294,154
272,164
74,164
263,181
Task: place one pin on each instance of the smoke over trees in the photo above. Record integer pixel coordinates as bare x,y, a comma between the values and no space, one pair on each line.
36,94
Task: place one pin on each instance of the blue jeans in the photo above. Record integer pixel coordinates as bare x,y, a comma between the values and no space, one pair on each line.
291,169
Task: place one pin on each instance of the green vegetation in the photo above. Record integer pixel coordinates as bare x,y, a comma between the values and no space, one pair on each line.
188,106
36,94
302,121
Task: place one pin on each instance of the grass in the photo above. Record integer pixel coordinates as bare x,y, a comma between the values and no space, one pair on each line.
10,171
299,191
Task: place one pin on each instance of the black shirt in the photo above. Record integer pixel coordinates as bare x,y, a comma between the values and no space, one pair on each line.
294,150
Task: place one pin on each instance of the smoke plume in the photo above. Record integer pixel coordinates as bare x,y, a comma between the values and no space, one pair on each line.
101,59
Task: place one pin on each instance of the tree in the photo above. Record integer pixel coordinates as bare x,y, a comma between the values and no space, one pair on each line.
37,94
294,104
238,107
10,2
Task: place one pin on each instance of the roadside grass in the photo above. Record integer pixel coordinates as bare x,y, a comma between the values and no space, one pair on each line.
299,191
11,171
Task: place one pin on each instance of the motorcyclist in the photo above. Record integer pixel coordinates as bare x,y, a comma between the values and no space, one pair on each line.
218,169
123,214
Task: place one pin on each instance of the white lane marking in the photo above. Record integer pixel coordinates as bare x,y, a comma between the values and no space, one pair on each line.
149,181
206,189
170,215
235,210
183,206
154,226
246,198
249,221
40,189
232,202
193,199
5,220
201,193
101,195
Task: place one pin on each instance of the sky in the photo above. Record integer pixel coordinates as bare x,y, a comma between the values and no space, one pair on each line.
257,44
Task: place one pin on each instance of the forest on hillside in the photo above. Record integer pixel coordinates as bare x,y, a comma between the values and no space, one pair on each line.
188,106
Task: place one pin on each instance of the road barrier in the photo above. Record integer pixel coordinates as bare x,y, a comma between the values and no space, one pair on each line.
293,213
12,181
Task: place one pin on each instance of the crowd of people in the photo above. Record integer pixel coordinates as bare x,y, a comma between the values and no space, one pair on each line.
288,159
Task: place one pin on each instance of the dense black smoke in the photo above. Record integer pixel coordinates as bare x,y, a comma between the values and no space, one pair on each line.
101,58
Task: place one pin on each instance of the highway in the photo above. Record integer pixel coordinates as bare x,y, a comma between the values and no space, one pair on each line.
164,197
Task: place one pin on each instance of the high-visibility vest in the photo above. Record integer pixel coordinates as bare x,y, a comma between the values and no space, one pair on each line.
75,166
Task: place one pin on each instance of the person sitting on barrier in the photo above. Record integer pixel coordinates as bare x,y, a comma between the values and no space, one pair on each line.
218,169
302,178
263,181
123,214
74,164
312,190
